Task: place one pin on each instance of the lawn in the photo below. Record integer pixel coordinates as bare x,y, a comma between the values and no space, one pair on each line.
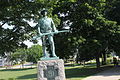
72,73
78,73
19,74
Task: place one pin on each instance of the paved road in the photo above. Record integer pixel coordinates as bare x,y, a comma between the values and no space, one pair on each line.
111,74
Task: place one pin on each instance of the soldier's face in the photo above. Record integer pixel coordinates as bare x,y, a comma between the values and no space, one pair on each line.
44,13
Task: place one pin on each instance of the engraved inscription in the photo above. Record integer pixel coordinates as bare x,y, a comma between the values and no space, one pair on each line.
50,73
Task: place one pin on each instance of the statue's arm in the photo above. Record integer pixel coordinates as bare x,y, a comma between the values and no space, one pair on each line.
53,26
38,26
39,30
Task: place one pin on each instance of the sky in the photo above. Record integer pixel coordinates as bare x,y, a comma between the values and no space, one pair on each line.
29,44
7,26
31,23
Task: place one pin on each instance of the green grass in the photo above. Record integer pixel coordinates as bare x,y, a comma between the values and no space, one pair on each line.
78,73
19,74
72,73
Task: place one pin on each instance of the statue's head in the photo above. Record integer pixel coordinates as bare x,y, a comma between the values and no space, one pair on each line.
44,12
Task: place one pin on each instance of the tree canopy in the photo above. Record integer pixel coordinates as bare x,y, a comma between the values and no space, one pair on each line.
94,25
31,54
18,14
91,32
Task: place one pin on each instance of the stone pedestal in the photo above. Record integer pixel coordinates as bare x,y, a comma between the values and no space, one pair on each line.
51,70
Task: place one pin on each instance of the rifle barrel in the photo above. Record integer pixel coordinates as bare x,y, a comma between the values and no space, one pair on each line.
44,34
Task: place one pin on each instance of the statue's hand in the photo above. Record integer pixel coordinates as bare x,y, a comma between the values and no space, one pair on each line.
40,34
56,31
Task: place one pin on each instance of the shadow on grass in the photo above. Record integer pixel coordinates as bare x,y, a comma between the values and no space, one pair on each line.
83,72
30,76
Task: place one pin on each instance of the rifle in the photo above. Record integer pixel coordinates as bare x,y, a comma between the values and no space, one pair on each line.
51,33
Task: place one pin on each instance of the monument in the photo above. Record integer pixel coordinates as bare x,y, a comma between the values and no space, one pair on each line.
50,67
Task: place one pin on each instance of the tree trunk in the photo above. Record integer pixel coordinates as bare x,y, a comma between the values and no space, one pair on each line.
84,63
77,59
97,60
103,58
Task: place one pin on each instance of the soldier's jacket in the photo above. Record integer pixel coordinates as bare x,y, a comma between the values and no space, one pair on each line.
46,25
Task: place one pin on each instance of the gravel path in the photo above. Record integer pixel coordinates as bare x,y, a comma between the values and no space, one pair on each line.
111,74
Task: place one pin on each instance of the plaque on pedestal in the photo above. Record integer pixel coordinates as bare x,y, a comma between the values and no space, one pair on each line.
51,70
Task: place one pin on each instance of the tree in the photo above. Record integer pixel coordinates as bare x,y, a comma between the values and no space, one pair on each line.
34,53
63,49
91,31
112,13
19,56
31,54
17,14
112,10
